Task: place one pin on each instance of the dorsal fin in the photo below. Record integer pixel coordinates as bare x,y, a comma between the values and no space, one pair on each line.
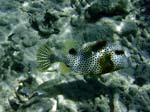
99,45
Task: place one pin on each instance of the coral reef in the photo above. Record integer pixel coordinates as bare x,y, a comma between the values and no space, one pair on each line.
25,25
108,8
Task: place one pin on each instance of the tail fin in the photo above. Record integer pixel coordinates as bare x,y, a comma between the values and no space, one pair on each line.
44,57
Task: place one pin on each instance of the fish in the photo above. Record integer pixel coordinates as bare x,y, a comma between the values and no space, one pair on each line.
97,57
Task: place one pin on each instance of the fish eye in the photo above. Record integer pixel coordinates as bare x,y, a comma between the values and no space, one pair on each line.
72,51
119,52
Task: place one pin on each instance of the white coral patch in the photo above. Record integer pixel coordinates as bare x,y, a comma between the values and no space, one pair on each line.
119,27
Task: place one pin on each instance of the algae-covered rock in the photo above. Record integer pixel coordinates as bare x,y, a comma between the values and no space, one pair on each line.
98,32
102,8
45,24
23,36
129,27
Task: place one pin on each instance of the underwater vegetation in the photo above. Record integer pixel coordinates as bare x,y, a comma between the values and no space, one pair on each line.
74,56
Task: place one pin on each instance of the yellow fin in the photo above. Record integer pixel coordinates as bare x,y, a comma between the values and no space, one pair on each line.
63,68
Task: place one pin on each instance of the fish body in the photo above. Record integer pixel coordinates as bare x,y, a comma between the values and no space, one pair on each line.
96,57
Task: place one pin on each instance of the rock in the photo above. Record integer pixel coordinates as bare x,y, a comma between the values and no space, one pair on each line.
106,8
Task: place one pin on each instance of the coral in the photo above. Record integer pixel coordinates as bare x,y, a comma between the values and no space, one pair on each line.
45,24
142,74
23,36
99,104
93,32
128,27
25,25
108,8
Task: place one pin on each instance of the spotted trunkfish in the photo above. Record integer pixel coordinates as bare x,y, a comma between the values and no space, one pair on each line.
96,57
